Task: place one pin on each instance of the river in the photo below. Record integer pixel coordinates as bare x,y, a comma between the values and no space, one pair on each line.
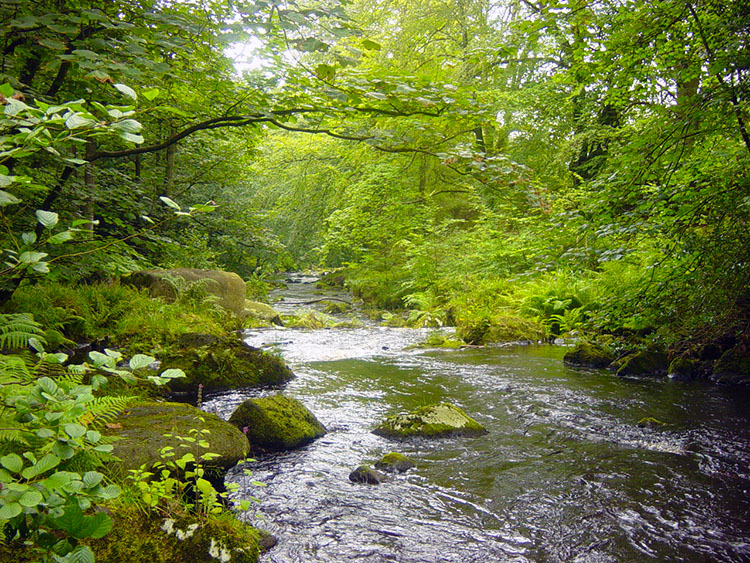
564,474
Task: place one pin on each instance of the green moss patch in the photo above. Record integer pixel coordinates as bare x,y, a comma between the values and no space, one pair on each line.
432,421
141,431
588,354
224,363
732,368
277,422
394,461
644,363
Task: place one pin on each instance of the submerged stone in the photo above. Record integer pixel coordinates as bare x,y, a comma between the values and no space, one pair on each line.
590,355
432,421
223,363
277,422
146,428
393,461
366,474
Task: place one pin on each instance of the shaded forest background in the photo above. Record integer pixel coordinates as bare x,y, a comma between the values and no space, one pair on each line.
581,165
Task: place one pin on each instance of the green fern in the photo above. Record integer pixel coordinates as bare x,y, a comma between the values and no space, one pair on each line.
17,330
105,409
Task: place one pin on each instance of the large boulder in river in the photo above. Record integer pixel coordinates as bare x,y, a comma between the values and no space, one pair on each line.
732,368
646,362
277,422
221,363
431,421
143,430
590,355
227,286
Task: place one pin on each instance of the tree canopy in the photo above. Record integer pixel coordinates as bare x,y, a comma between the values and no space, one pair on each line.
440,150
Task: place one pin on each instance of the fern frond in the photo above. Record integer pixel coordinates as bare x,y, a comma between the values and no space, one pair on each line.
105,409
14,369
17,329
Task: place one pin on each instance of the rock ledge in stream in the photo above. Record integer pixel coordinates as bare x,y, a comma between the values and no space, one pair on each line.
277,422
432,421
222,363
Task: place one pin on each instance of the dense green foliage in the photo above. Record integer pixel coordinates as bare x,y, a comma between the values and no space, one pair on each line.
518,169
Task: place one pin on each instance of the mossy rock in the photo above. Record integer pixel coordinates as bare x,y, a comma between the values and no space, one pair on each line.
277,422
440,340
310,319
732,368
227,286
589,354
683,369
645,362
224,363
335,307
261,311
394,461
431,421
501,328
142,428
332,279
650,422
138,537
366,474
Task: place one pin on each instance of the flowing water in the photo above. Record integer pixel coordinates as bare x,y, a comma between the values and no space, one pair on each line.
564,474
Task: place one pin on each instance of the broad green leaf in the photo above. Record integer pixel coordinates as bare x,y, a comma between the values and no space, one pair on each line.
371,45
58,480
205,487
8,511
151,94
128,126
49,461
141,361
7,198
76,121
137,139
7,90
95,526
93,436
92,479
61,237
31,257
74,430
173,373
170,203
127,90
28,238
83,553
110,492
47,218
31,498
12,462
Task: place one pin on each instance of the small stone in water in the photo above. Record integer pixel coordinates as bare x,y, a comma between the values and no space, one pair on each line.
365,474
